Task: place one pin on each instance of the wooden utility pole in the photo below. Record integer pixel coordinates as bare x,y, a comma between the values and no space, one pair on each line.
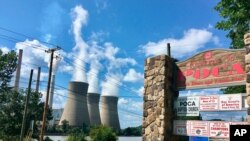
38,79
26,106
169,50
48,90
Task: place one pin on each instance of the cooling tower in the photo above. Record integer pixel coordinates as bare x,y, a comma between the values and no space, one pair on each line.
75,110
109,113
93,108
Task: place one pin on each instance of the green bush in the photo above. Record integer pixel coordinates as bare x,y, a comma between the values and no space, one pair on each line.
77,137
76,134
102,133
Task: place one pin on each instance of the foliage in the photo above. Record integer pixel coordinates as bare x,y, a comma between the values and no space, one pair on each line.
76,135
11,114
65,126
132,131
236,20
8,64
102,133
234,89
85,128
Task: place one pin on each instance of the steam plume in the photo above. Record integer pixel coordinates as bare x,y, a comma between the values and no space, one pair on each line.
95,57
80,16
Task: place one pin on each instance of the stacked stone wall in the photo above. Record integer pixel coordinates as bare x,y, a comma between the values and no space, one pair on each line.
158,99
247,68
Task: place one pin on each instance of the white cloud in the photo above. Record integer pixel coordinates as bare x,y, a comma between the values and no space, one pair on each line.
211,91
5,50
192,40
140,91
130,112
122,101
34,55
60,98
133,76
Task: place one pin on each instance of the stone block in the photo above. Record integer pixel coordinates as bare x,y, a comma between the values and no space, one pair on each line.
248,119
147,131
247,41
247,68
247,35
248,100
248,88
151,118
247,58
161,130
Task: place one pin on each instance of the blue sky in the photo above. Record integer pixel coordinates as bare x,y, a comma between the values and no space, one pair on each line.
118,34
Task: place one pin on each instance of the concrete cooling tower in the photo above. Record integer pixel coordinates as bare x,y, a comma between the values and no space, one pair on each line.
93,108
75,110
109,113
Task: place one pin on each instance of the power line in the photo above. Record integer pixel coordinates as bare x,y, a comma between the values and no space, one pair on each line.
100,104
116,81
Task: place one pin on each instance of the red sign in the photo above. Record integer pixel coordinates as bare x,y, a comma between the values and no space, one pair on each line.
219,129
199,128
209,103
213,68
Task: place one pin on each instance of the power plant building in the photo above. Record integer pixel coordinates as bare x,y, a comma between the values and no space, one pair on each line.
109,112
76,110
93,108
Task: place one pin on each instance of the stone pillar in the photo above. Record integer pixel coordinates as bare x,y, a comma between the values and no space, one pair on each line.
158,99
247,61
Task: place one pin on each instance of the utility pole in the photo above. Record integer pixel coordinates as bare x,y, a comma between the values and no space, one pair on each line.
26,106
38,79
168,49
48,90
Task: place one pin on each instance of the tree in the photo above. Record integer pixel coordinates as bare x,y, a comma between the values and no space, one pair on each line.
65,126
236,20
76,134
8,63
102,133
12,113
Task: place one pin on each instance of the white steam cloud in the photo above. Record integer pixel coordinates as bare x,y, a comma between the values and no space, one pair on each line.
80,16
95,56
110,87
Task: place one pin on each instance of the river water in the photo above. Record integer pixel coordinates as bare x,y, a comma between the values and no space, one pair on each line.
63,138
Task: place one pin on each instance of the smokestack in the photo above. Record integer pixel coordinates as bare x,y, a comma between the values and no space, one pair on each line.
109,113
51,93
75,110
18,70
93,108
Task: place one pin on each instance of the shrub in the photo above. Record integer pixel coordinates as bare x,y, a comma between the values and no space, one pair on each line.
102,133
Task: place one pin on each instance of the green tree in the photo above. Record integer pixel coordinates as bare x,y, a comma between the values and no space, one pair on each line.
11,114
65,126
132,131
236,20
8,63
102,133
